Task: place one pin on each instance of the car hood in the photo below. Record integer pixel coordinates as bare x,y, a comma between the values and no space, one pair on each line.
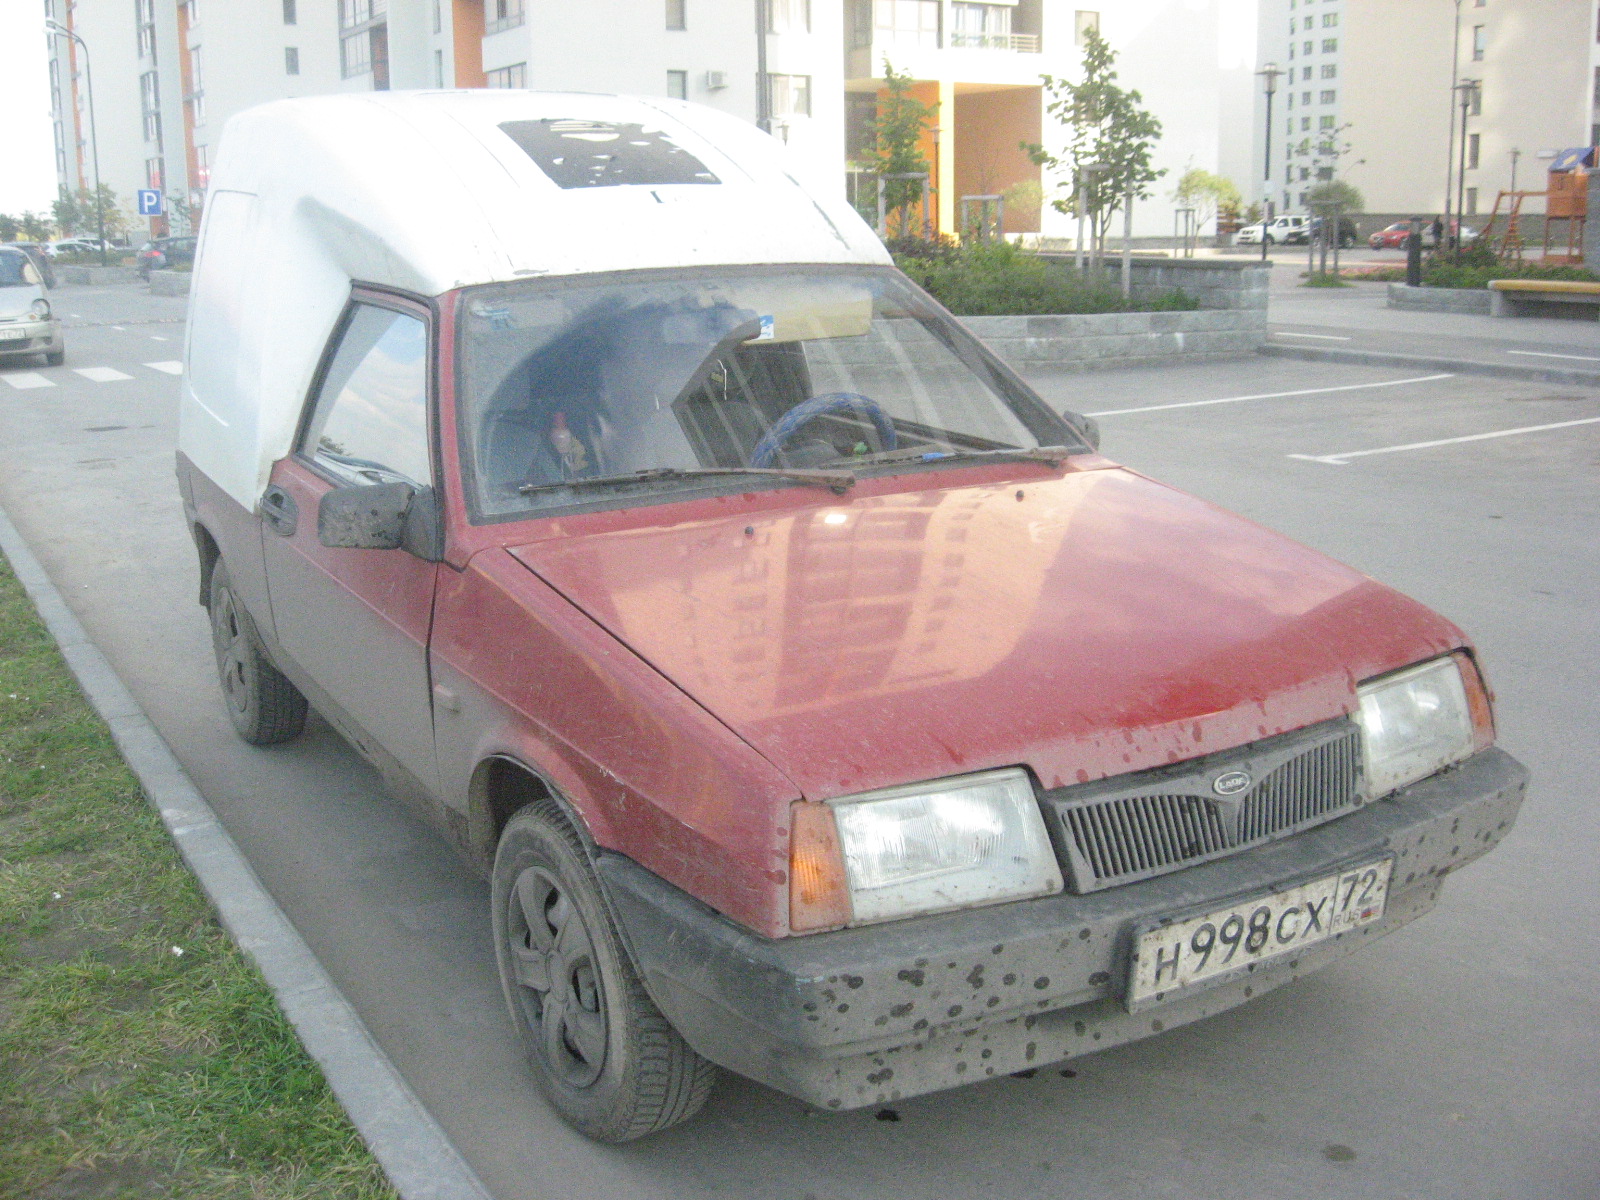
1083,626
15,301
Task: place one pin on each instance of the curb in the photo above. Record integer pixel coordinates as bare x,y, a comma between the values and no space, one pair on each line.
1384,358
408,1143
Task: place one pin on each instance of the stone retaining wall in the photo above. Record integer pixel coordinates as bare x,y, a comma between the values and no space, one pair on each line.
1216,283
1453,300
95,275
170,283
1105,341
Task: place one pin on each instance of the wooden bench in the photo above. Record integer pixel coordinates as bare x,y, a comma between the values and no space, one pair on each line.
1528,297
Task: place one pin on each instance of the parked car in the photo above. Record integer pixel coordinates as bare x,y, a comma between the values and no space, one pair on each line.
819,702
1286,229
161,253
80,245
39,253
27,325
1393,237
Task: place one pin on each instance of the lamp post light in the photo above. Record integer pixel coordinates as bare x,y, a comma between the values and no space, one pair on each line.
1469,90
1515,154
59,30
1269,81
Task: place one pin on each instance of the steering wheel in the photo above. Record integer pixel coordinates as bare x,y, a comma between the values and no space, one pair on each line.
807,410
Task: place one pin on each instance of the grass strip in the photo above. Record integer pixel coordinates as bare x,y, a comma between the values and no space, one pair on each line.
141,1054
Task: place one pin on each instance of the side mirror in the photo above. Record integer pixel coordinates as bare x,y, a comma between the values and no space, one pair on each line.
383,516
1088,428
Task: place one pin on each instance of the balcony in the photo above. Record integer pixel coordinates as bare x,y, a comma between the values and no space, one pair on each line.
1015,43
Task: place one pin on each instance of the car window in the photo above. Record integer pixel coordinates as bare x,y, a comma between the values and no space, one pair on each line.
16,270
369,423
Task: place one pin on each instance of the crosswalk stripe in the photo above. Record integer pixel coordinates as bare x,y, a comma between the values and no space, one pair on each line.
100,374
28,379
171,368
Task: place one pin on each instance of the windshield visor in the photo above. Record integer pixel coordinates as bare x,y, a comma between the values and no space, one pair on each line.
614,388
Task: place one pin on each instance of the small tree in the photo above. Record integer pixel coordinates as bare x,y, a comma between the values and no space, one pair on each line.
77,214
1206,193
1335,196
895,144
1104,125
68,216
9,227
35,226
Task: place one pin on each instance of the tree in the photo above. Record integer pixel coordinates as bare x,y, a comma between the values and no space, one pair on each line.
76,215
35,226
9,227
1206,193
895,146
1105,125
1335,196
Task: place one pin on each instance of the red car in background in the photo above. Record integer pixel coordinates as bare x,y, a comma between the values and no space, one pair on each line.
1393,237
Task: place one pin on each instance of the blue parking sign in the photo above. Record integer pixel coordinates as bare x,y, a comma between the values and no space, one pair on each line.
149,202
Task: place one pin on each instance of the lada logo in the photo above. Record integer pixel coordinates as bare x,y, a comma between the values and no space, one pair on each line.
1231,783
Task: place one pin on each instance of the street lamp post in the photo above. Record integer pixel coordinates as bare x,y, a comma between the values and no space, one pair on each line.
1468,89
1450,148
1515,154
94,137
1269,79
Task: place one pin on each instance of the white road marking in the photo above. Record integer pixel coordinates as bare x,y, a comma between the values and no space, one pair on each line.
1340,460
1325,337
1542,354
156,337
171,368
120,328
28,379
1348,387
100,374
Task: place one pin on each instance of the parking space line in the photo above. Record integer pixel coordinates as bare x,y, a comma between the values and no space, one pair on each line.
1348,387
171,368
1542,354
1324,337
28,379
100,374
1342,459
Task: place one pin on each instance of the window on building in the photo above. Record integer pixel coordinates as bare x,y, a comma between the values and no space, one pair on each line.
1328,96
438,68
1477,99
503,14
1305,73
145,14
291,60
150,106
194,12
1472,201
1325,122
1477,43
1291,99
1291,51
1596,87
514,76
1305,123
677,14
1305,173
1308,22
1306,48
364,40
1305,98
289,14
788,16
678,85
202,166
1330,45
1330,20
983,26
197,87
438,19
1083,20
790,95
1474,142
1330,70
155,175
910,22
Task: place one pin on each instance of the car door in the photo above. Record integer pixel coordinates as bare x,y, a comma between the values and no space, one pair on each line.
354,622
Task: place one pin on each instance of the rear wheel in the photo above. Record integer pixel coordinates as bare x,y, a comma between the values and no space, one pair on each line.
604,1056
263,705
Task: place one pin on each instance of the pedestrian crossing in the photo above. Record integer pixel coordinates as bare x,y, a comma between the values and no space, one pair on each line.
26,380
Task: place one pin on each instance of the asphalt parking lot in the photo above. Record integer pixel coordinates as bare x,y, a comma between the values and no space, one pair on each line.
1457,1058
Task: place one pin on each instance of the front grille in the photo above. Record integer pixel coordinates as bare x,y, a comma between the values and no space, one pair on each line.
1135,826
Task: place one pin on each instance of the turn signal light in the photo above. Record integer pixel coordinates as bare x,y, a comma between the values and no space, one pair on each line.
819,897
1480,703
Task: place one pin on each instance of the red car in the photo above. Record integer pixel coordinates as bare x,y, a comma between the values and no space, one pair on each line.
1393,237
820,703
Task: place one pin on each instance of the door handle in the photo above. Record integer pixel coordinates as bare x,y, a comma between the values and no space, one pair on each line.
278,510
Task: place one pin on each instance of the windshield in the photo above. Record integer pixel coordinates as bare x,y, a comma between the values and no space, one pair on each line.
581,391
16,270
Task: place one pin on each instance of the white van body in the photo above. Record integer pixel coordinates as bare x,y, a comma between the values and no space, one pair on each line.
425,192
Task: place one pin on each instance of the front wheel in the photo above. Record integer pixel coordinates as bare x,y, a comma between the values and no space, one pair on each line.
54,358
263,705
603,1054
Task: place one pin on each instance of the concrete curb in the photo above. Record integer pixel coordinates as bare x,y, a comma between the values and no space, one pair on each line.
409,1144
1586,377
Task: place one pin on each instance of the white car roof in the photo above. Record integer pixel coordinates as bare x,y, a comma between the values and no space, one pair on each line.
431,191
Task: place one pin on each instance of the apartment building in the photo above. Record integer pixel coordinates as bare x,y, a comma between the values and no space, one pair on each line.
168,73
1368,95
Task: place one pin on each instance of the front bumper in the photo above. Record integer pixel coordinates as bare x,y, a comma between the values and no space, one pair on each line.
29,337
865,1016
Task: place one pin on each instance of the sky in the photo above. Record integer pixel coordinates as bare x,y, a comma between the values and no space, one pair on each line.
27,169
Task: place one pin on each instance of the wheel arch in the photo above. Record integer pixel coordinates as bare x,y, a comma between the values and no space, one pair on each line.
503,785
210,553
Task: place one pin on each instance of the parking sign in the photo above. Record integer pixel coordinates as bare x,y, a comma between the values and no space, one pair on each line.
149,202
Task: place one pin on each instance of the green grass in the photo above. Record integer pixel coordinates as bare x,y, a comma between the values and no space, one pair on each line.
141,1055
1324,280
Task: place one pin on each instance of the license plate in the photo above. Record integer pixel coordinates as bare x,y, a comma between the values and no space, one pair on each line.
1185,954
12,335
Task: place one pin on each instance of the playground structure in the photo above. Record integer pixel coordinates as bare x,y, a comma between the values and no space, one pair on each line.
1566,210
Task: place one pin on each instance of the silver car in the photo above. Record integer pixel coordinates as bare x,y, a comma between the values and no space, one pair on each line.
27,325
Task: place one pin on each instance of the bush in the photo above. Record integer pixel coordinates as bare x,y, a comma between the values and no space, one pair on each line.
1000,280
1478,264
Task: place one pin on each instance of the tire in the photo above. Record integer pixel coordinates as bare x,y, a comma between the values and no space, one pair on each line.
263,705
603,1054
55,358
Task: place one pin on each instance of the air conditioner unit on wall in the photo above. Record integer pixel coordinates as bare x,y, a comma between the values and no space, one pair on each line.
716,80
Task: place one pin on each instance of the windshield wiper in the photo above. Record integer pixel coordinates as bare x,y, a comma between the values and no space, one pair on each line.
1055,455
838,481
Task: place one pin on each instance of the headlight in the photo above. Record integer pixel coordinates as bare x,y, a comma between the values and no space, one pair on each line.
1420,720
925,847
41,310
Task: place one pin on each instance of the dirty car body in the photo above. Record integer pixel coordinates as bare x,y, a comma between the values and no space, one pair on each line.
768,641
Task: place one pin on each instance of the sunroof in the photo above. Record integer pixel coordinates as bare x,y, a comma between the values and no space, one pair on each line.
580,154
